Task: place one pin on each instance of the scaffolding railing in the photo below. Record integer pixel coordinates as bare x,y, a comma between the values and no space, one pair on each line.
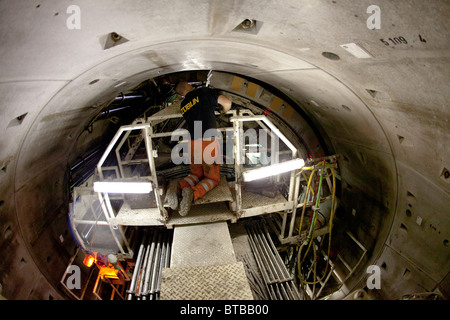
142,131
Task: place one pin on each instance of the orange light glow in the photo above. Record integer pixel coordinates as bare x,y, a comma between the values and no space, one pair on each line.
88,260
108,272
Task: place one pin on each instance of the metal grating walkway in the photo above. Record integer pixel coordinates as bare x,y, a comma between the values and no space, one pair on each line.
203,266
218,282
202,245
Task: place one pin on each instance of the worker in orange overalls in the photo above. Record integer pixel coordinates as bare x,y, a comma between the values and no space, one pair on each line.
198,108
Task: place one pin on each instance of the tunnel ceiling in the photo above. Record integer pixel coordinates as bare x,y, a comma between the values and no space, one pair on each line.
386,114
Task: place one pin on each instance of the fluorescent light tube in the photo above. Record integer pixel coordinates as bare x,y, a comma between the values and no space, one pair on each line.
273,169
122,187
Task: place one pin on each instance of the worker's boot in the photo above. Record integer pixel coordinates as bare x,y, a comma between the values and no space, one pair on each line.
172,194
186,202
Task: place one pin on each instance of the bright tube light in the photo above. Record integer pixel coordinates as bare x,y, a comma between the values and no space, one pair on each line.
122,187
273,170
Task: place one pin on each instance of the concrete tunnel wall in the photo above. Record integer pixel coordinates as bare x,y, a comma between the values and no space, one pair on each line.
387,114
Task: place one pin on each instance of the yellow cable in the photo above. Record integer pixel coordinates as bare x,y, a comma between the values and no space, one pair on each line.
330,229
313,223
304,169
301,219
306,200
310,241
306,179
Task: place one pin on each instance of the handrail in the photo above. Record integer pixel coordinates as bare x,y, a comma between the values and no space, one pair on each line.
237,118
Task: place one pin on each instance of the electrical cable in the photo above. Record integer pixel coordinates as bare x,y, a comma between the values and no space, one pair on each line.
330,230
314,216
306,200
306,179
301,221
333,209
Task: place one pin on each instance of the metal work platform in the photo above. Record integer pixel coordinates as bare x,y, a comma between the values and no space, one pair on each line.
203,213
129,189
221,193
212,207
203,266
256,204
122,166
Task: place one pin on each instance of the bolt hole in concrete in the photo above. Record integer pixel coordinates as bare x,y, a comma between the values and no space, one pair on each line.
115,36
346,108
330,55
17,121
409,194
113,39
249,26
361,157
372,93
446,243
8,232
248,23
445,173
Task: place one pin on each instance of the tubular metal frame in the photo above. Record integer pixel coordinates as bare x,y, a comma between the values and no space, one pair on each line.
147,134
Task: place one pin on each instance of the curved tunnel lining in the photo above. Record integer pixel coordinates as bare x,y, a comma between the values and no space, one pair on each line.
72,93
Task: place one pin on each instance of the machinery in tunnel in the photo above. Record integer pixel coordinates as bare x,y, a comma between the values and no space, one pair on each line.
365,108
287,217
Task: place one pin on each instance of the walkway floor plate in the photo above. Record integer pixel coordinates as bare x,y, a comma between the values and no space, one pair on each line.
202,244
218,282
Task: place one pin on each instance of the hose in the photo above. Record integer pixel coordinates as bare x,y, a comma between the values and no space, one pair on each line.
301,220
314,216
316,208
333,209
306,179
306,200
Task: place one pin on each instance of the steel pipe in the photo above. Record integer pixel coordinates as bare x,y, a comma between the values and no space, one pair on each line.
261,266
156,265
136,268
149,265
161,264
153,256
279,283
273,264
